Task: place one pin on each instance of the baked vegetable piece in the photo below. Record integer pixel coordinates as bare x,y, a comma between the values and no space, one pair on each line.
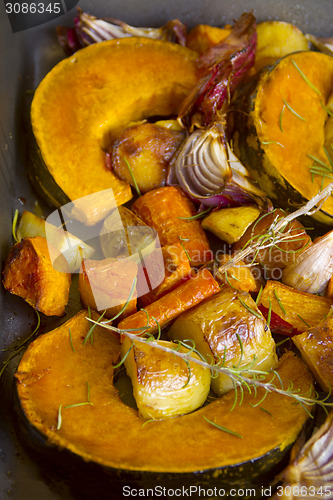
109,284
164,385
59,370
176,270
281,141
292,311
74,124
141,154
123,234
238,276
228,328
204,36
316,347
276,39
229,224
29,273
169,212
73,248
169,306
279,252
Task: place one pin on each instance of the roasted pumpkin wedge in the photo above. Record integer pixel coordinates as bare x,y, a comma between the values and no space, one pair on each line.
89,98
59,371
281,140
30,274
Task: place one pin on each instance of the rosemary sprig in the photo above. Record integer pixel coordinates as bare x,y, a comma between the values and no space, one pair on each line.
75,405
269,314
14,226
136,187
293,111
279,302
252,311
224,429
275,233
128,300
92,328
305,78
267,143
245,377
198,215
302,319
71,339
281,116
186,252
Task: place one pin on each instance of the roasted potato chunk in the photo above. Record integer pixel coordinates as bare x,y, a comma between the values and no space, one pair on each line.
228,328
142,153
229,224
297,310
164,385
316,348
277,39
29,273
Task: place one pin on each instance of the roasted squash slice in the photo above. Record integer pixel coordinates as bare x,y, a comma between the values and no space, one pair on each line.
55,374
281,140
29,273
89,98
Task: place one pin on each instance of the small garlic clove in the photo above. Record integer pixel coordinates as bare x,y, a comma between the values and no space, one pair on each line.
312,269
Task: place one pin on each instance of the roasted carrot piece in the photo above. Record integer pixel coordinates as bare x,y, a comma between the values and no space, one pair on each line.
29,273
168,307
238,276
107,285
168,210
176,270
292,312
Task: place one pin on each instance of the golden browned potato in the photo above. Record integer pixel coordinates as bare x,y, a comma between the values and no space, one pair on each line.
229,224
316,347
29,273
228,327
142,152
277,39
164,385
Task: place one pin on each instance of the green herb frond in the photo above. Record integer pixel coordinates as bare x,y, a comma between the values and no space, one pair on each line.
136,187
14,226
199,215
245,377
278,232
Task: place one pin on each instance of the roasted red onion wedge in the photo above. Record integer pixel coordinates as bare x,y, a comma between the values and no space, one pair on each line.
89,29
209,172
223,67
